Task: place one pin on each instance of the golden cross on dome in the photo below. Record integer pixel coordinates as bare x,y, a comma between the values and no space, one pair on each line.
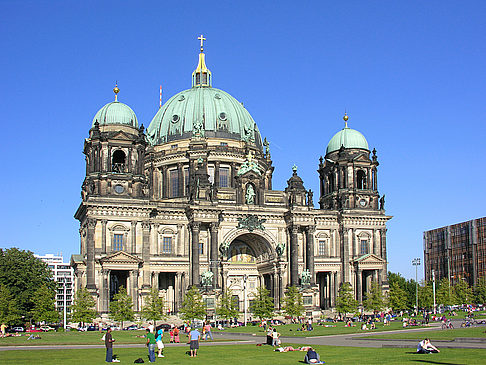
202,39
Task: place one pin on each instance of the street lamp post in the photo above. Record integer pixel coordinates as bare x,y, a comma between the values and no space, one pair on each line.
433,286
245,278
416,263
64,299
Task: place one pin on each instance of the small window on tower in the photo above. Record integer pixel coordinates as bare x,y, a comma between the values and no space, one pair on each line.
118,161
361,179
223,177
364,247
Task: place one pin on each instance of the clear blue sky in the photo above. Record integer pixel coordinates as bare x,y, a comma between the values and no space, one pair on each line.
411,75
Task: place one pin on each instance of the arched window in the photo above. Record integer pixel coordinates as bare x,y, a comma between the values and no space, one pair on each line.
361,179
118,161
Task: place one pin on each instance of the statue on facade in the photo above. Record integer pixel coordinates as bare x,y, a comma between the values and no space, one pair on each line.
267,147
250,194
382,202
224,247
305,277
198,129
207,278
310,196
280,249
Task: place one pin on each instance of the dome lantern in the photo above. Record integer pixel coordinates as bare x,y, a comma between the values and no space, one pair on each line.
201,76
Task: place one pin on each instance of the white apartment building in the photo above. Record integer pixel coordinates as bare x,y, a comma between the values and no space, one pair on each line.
63,273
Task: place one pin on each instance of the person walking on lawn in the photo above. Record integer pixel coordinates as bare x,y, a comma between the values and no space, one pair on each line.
194,336
151,345
109,346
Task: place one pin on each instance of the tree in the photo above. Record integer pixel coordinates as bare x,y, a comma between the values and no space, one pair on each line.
44,309
23,274
9,310
193,306
374,298
263,304
463,294
121,308
83,307
480,291
345,302
444,294
397,297
293,302
226,307
154,308
408,286
425,295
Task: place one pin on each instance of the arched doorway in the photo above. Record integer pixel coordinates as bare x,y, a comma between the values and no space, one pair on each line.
248,265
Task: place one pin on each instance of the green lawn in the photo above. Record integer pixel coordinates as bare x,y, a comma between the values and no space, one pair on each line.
79,338
437,335
290,330
247,354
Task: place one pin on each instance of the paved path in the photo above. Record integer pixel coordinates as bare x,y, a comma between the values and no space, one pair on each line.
353,340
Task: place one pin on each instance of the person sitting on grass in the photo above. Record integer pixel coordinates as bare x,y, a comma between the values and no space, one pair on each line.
312,357
425,347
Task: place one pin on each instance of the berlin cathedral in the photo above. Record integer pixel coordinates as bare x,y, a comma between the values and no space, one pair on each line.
189,201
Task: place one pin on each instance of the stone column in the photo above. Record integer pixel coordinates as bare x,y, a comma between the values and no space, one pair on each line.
383,249
276,288
334,289
133,248
359,285
146,254
105,290
216,174
165,180
214,264
294,257
90,254
134,288
310,253
233,174
155,281
103,235
178,291
195,254
345,253
180,173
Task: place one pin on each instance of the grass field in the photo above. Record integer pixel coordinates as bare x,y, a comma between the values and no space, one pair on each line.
79,338
247,354
478,332
290,330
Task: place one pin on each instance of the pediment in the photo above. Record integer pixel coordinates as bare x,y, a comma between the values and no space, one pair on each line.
121,135
369,259
121,257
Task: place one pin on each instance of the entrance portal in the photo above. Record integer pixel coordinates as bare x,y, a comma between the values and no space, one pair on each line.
118,278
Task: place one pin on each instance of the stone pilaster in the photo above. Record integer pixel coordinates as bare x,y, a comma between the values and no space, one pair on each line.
146,255
133,247
345,253
90,255
310,253
105,291
359,285
195,226
214,263
103,236
294,256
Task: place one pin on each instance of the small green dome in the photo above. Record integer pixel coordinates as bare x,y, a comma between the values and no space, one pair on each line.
214,112
116,113
349,138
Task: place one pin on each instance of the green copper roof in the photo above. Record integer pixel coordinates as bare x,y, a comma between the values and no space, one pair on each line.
206,111
116,113
349,138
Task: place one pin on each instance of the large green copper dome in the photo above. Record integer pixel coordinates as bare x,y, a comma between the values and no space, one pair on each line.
349,138
205,108
116,113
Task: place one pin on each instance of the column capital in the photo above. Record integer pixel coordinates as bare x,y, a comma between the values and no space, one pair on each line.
195,226
91,222
311,229
214,226
146,225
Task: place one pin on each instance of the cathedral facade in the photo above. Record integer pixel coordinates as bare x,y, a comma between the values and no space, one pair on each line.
189,201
